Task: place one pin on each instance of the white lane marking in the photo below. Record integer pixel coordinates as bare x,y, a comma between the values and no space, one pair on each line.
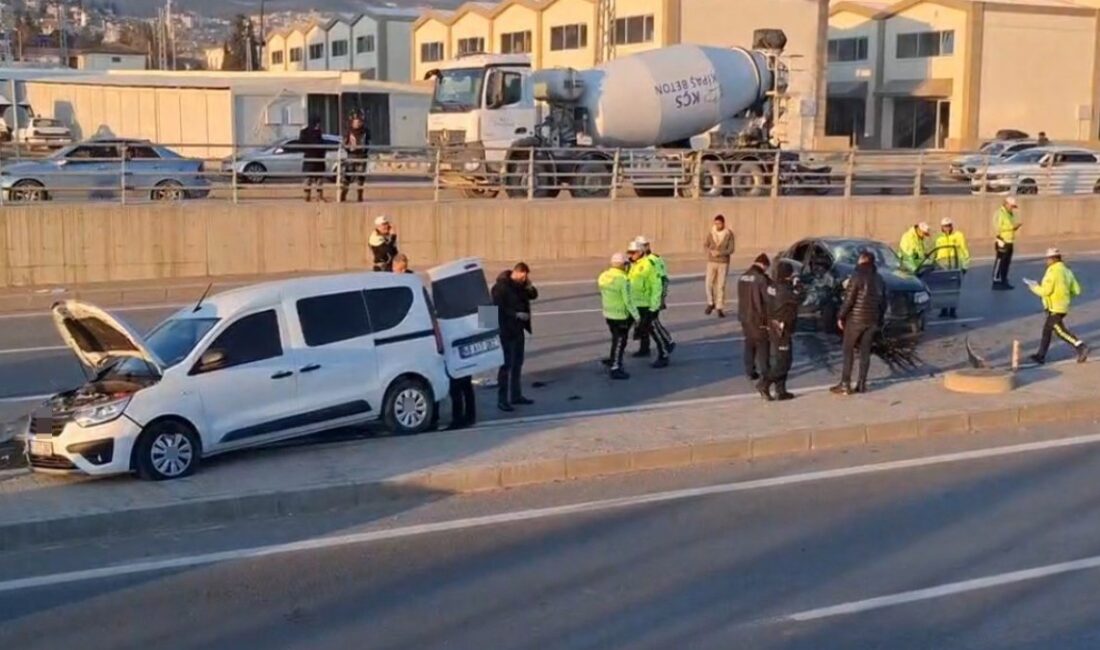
949,589
336,541
41,348
569,312
20,399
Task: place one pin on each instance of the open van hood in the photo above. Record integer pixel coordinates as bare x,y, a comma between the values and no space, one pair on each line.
96,337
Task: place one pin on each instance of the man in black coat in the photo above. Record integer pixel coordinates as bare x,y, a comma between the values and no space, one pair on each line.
512,294
752,311
860,317
784,297
311,142
356,143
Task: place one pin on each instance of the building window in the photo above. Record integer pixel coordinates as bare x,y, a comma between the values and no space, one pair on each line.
843,50
364,44
515,42
921,45
471,45
634,29
340,48
277,58
431,52
569,37
316,51
116,59
295,55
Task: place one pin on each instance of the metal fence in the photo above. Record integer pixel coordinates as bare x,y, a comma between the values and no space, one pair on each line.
133,171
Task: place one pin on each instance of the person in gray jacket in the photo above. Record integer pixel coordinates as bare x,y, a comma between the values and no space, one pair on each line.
719,245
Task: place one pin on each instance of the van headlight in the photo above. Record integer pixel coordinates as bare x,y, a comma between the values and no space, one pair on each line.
90,416
921,297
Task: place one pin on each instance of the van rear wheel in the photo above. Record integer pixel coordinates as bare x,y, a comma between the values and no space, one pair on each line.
409,407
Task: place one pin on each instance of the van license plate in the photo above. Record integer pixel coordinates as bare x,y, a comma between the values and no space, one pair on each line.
41,448
480,347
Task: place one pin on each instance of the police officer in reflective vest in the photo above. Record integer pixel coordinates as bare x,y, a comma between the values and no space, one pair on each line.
911,249
618,310
1005,225
1057,290
661,267
645,290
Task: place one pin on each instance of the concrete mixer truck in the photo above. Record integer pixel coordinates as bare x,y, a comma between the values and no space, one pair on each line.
704,113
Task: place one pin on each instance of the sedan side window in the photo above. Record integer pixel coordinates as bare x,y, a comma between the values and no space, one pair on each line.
253,338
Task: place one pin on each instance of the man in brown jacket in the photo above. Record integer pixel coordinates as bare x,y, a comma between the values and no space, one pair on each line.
719,246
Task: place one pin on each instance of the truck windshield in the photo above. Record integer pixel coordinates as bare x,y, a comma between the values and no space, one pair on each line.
458,91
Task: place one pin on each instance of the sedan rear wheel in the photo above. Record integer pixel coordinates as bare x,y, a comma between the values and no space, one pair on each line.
168,191
27,191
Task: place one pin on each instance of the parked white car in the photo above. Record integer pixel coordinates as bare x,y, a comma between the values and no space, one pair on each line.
991,154
280,162
45,132
249,367
1046,170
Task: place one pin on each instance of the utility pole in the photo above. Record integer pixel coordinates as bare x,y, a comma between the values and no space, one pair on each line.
170,27
63,39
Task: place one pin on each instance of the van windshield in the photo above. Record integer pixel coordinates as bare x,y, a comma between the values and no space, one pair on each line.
460,295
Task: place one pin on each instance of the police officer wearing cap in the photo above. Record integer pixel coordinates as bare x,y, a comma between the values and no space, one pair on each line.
618,310
1005,225
951,253
383,244
752,311
911,248
661,268
1057,290
645,291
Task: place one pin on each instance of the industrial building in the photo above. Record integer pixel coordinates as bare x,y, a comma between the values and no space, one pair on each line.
206,113
583,33
946,74
375,42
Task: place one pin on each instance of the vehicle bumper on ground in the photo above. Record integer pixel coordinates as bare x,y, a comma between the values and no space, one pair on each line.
96,451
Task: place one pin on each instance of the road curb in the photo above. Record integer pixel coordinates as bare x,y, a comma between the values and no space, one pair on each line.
327,498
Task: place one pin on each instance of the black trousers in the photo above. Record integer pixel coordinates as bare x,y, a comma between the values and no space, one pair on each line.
508,377
463,402
782,356
351,173
649,327
857,336
1055,325
1001,261
620,333
757,350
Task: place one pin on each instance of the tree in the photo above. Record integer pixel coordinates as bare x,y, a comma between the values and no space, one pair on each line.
242,47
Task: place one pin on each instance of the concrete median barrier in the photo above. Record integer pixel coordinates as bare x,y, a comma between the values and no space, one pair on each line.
46,245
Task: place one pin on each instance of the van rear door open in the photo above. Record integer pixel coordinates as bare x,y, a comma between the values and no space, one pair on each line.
467,318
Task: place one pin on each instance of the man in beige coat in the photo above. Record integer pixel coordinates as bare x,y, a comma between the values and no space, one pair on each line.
719,246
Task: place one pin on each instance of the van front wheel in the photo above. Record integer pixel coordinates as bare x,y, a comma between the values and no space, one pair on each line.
409,407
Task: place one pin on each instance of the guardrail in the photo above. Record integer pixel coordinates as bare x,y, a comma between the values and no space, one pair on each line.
135,172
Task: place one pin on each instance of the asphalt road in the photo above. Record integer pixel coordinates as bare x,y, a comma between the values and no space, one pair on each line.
985,549
562,372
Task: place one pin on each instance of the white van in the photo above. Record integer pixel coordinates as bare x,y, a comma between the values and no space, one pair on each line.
243,368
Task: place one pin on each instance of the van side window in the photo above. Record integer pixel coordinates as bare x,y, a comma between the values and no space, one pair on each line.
333,318
388,307
250,339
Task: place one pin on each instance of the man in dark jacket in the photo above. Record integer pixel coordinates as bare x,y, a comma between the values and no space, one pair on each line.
354,169
512,294
860,318
784,297
383,244
752,310
311,141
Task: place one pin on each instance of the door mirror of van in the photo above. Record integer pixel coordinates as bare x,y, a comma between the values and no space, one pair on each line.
494,94
211,360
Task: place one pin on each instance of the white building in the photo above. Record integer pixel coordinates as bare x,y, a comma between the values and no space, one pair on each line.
375,42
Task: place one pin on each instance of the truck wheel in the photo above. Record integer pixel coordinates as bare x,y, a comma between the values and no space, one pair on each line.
516,172
592,180
712,182
749,179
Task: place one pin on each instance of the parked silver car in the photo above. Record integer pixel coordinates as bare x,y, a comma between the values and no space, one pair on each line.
1044,170
993,153
280,161
103,169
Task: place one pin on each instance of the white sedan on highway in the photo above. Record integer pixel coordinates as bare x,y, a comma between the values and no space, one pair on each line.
1043,170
